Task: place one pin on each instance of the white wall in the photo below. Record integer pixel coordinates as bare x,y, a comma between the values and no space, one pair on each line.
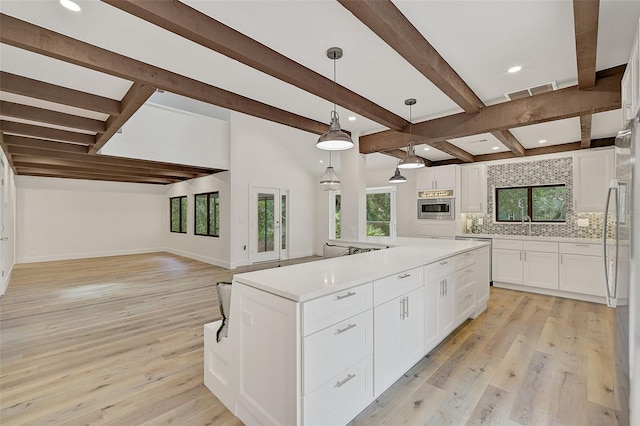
406,199
213,250
67,218
161,133
9,214
271,155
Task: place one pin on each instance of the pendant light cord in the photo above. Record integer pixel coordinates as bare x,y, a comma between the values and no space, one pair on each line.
335,90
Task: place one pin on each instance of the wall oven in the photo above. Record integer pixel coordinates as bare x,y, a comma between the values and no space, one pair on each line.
436,204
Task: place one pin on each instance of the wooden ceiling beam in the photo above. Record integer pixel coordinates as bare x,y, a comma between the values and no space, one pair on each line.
11,140
33,38
31,88
556,105
24,129
91,176
193,25
110,160
585,21
386,20
135,97
88,169
585,131
28,112
55,163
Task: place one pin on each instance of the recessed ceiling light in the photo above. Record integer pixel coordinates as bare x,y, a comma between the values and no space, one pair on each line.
352,118
542,141
70,5
495,148
321,161
426,149
514,69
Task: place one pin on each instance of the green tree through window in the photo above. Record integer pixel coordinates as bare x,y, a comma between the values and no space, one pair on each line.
207,214
178,214
542,203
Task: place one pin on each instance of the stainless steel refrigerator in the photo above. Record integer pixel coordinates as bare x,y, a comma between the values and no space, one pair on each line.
621,243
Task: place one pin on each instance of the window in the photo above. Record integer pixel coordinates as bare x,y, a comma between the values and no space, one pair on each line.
283,228
543,203
334,215
207,211
178,214
381,211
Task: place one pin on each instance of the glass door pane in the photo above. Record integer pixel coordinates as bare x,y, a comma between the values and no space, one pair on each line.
266,222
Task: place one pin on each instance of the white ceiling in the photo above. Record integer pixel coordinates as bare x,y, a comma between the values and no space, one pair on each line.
479,39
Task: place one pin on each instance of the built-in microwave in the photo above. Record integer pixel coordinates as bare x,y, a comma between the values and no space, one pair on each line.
436,205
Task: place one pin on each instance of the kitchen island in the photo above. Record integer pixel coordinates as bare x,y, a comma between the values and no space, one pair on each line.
315,343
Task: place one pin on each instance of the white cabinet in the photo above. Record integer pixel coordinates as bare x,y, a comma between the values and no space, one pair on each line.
473,188
431,314
531,263
465,296
482,266
592,172
446,312
581,269
398,337
440,177
631,84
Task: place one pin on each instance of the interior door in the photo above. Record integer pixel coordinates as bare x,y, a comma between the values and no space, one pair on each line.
266,236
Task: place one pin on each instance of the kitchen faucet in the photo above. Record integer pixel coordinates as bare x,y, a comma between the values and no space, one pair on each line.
527,218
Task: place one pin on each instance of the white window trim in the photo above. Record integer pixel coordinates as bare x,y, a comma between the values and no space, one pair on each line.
375,190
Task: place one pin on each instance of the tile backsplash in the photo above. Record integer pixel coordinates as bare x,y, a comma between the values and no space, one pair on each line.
543,172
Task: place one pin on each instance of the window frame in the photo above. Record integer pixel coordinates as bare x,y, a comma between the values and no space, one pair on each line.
216,214
529,211
391,190
181,214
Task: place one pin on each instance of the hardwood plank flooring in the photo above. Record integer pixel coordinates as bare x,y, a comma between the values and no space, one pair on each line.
119,341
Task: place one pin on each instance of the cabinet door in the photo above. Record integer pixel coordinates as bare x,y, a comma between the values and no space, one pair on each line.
507,266
541,269
431,303
411,332
473,188
425,178
445,177
582,274
446,311
385,330
592,172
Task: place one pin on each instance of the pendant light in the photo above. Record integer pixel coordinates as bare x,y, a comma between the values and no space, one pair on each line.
411,161
397,177
329,180
335,139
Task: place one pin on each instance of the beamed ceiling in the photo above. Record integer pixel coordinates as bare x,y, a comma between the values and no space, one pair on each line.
69,81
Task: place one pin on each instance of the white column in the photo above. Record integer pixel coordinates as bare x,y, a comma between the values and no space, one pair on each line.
353,188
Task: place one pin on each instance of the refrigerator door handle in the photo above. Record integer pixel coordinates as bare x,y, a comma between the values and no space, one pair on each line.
611,299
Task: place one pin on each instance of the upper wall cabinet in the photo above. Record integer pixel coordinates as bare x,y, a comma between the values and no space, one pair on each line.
473,188
440,177
631,83
592,172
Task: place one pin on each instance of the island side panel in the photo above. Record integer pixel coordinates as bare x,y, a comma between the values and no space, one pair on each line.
267,356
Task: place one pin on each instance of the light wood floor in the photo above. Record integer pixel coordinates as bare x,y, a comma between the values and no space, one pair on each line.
119,341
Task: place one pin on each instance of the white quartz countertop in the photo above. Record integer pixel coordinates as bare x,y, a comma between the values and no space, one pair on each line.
311,280
534,238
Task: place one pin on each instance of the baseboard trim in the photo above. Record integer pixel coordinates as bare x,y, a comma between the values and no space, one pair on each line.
5,281
74,256
210,260
551,292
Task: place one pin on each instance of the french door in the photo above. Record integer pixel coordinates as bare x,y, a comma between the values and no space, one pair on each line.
268,224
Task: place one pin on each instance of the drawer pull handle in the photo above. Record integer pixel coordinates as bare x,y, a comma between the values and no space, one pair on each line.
351,293
403,276
347,328
468,296
444,262
582,245
339,383
468,254
469,270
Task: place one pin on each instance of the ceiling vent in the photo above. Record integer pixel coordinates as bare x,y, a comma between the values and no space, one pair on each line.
536,90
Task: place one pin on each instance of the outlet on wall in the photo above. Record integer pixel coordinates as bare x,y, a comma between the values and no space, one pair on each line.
480,221
583,222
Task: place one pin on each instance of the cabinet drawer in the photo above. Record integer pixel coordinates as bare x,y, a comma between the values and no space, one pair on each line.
465,277
507,244
465,303
543,246
581,248
463,260
396,285
332,350
341,398
324,311
438,269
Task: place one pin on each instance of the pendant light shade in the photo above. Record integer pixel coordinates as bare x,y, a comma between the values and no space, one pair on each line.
329,180
411,161
335,139
397,177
